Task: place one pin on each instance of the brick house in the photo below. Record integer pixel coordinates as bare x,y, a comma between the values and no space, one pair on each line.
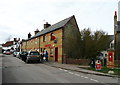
61,40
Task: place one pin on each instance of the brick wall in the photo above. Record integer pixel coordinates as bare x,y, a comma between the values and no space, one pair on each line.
78,61
51,44
117,62
71,39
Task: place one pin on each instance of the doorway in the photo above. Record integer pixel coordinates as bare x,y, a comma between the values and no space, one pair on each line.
56,54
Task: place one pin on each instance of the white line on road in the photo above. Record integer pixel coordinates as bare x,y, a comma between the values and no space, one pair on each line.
65,70
60,69
77,74
82,76
94,80
85,77
70,72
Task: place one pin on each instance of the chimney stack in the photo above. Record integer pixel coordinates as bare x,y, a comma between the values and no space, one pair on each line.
15,39
115,14
29,35
46,25
36,31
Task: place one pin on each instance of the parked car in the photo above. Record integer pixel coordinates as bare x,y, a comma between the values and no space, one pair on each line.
16,54
7,52
4,52
23,55
33,56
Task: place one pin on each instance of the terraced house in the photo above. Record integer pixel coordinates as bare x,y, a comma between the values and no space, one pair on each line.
61,40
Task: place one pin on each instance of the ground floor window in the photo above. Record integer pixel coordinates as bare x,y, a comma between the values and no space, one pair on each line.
51,52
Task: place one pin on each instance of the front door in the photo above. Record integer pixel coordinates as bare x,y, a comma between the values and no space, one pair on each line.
56,54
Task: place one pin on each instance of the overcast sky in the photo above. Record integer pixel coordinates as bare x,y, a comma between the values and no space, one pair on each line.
19,17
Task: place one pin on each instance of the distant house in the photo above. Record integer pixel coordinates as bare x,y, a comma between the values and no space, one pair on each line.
12,45
111,42
103,54
61,40
8,45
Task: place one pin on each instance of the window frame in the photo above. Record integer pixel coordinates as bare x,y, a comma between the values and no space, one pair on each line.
44,38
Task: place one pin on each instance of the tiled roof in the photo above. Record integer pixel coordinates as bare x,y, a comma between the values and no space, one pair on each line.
7,44
53,27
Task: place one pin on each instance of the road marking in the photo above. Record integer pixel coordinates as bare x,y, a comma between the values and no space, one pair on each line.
91,79
94,80
70,72
65,70
77,74
60,69
85,77
82,76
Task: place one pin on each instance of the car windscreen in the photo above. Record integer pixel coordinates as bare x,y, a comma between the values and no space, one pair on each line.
34,53
24,53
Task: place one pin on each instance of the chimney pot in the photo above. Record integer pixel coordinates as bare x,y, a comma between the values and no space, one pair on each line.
115,13
29,35
46,25
36,31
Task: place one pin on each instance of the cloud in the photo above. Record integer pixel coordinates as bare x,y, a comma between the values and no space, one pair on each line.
19,17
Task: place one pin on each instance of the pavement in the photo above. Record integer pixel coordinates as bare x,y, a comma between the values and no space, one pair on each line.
78,68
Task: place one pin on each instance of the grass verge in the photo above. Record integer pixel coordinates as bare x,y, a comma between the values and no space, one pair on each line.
104,69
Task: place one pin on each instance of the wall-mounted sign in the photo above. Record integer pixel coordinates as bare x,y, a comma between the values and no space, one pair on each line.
55,41
48,45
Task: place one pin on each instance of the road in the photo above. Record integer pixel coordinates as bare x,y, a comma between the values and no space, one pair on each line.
15,70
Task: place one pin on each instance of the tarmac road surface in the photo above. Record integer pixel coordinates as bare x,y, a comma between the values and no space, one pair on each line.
15,70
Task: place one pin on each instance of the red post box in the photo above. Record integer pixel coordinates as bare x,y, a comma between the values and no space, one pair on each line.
110,56
110,59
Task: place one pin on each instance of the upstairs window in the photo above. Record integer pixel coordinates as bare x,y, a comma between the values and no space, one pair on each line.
44,38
